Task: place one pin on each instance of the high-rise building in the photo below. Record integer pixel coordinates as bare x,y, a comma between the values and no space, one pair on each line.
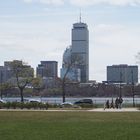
80,48
73,73
6,71
47,69
122,73
5,74
77,55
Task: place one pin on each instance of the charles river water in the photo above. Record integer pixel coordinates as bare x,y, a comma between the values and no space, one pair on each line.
58,100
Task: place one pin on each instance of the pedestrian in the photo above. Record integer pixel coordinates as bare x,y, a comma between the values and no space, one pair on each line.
106,105
112,104
120,102
117,103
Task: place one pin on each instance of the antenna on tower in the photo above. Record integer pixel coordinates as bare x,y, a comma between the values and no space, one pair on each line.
80,15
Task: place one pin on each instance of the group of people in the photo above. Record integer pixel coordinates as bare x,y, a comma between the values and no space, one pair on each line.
117,104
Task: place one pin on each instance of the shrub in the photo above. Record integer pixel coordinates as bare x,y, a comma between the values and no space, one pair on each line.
13,105
21,105
7,105
84,105
53,105
1,105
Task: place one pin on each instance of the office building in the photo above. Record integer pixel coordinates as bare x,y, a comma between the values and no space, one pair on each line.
77,55
122,74
22,65
47,69
5,74
73,75
80,49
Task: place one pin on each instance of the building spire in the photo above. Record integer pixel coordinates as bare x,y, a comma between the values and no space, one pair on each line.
80,16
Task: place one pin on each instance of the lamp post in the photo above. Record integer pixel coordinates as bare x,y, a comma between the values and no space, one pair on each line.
132,83
1,75
120,96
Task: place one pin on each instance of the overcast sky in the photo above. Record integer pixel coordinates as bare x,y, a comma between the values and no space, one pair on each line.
35,30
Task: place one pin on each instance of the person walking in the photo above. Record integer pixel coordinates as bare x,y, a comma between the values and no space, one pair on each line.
106,105
117,103
120,102
112,104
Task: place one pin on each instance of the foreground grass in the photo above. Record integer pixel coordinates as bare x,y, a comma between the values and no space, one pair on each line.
69,126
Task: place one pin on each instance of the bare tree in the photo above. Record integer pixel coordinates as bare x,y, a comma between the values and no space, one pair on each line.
23,75
69,63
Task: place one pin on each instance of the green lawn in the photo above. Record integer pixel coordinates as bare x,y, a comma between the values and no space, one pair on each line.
69,126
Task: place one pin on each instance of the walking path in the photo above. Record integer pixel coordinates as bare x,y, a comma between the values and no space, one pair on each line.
115,110
75,110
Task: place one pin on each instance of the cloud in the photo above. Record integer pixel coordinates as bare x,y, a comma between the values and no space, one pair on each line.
112,44
83,3
110,2
32,42
48,2
28,1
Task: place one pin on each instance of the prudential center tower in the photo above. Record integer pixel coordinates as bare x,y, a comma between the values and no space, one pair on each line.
79,48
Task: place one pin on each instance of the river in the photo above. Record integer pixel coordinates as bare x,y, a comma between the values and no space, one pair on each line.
58,100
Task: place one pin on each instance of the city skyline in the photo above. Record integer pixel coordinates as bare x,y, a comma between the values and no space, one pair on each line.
35,30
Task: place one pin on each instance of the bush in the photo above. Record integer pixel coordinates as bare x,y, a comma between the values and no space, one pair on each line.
14,105
7,105
20,105
84,105
53,106
1,105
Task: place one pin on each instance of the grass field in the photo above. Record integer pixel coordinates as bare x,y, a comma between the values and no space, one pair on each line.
69,126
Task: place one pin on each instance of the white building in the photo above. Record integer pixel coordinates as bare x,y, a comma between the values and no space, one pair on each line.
73,75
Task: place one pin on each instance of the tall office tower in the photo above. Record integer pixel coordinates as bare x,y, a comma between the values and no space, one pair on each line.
80,48
74,74
47,69
122,73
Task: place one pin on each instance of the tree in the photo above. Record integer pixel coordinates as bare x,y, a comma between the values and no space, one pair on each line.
69,63
23,74
37,84
4,87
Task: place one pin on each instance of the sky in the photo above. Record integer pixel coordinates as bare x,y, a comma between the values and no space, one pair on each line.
36,30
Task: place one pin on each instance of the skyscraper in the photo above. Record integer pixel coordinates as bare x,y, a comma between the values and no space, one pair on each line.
74,74
80,48
77,55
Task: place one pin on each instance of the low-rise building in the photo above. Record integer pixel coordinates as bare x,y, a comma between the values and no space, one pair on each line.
122,74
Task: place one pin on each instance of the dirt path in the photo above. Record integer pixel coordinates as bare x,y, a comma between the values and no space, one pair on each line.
115,110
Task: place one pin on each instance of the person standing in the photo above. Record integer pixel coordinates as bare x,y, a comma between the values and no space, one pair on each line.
117,103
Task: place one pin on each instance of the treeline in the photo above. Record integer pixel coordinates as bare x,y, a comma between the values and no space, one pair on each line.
72,90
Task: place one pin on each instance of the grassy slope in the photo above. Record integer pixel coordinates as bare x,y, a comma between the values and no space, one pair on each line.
69,126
